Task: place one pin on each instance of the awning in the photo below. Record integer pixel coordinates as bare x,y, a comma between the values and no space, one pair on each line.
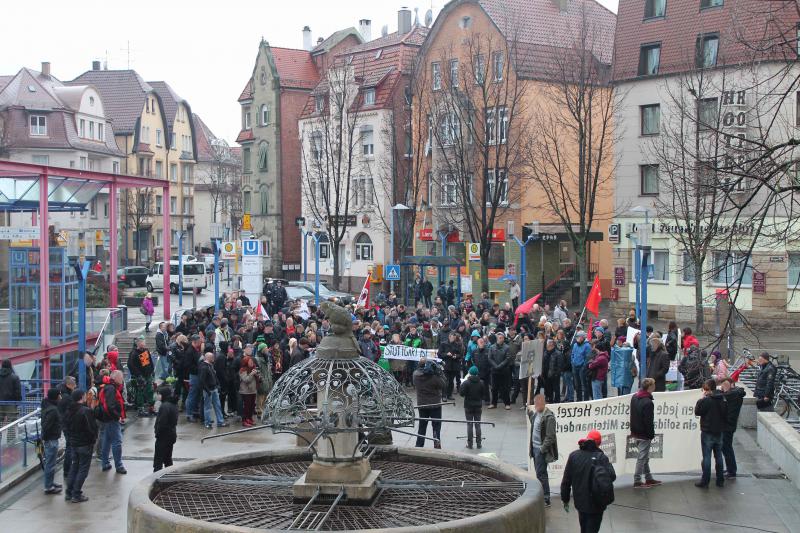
430,260
20,192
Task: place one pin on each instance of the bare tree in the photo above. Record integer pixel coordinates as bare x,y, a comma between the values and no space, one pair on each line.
330,147
223,180
569,152
477,120
138,205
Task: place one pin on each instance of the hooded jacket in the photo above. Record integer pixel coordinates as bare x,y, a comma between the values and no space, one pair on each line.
549,446
642,416
734,399
51,420
472,390
580,353
480,357
578,473
713,413
765,382
167,419
113,360
140,362
10,388
429,386
600,365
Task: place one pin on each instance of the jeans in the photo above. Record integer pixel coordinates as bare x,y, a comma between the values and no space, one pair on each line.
642,461
711,442
597,389
577,378
569,391
67,457
429,412
112,441
209,398
193,401
728,453
473,414
50,457
540,464
590,522
81,461
622,391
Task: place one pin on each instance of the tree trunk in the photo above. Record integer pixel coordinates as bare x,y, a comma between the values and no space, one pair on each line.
583,272
484,268
336,266
699,322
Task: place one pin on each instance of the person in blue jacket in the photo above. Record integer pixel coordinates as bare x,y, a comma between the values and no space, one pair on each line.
580,355
621,365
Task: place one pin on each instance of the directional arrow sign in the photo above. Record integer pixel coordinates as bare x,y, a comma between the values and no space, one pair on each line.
391,273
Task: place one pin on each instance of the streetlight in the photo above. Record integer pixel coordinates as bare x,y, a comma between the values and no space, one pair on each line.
398,207
642,273
300,222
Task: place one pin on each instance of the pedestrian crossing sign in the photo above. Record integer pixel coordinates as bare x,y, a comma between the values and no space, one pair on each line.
392,273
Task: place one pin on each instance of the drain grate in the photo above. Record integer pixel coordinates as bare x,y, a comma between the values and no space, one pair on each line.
769,475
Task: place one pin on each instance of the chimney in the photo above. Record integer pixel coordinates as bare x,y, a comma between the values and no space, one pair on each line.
365,29
46,69
320,40
95,65
562,5
307,38
404,20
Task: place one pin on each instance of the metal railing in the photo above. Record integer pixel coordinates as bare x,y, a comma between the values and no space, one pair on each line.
13,441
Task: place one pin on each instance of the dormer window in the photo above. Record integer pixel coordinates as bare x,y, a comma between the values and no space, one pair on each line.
369,97
319,103
38,125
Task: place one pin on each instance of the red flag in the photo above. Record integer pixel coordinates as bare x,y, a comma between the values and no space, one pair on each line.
261,313
593,300
525,307
363,298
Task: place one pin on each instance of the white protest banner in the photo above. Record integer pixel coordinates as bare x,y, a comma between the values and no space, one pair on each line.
407,353
530,359
676,447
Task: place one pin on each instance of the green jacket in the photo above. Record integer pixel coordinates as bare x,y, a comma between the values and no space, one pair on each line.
549,441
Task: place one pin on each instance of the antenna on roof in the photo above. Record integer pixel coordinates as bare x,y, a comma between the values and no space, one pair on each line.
428,18
385,30
127,49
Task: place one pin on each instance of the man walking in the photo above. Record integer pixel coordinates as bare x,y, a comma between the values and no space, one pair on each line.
586,468
764,391
113,411
712,410
544,447
428,379
643,431
734,397
472,390
83,432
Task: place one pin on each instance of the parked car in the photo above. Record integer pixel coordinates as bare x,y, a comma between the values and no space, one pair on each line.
194,276
324,292
295,293
133,276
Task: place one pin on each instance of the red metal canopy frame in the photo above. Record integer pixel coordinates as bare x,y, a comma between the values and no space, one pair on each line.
115,182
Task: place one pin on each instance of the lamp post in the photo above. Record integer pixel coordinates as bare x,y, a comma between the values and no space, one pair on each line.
82,270
180,267
300,222
317,237
397,207
523,271
217,244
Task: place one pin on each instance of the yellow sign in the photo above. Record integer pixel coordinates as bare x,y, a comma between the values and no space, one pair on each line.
98,237
474,251
62,237
246,222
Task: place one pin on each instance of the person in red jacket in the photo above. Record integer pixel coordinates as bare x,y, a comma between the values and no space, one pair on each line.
599,367
688,339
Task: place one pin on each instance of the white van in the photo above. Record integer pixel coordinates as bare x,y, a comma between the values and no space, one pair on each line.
194,276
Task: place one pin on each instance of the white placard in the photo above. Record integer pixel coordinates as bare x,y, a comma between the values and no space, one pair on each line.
407,353
227,250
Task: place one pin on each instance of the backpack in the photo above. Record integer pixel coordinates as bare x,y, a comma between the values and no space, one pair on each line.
142,310
601,485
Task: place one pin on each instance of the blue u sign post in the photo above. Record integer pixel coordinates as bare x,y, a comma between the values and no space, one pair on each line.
250,247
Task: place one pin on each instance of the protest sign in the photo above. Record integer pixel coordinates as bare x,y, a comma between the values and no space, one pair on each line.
676,447
407,353
530,358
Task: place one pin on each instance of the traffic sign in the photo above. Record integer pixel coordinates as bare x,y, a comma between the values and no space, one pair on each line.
392,273
228,250
251,247
474,250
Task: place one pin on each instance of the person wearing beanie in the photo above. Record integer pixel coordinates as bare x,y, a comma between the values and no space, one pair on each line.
51,432
577,481
473,390
598,370
165,433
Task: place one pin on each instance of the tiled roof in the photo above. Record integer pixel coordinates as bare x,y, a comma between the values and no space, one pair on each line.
31,90
295,67
123,93
245,136
4,81
415,37
247,92
203,138
334,39
169,99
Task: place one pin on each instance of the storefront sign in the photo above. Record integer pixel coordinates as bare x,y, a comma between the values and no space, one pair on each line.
426,234
777,258
407,353
716,229
341,220
619,276
674,449
759,282
498,235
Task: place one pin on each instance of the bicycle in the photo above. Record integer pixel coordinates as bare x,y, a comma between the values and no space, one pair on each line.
787,400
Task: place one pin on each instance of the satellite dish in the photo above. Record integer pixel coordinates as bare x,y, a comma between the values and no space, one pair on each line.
428,18
385,30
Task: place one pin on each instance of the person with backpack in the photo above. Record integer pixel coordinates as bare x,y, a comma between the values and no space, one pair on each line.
713,412
111,411
643,431
590,476
166,422
544,445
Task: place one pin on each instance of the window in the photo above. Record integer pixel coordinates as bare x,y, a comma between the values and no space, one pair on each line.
707,176
265,115
480,69
491,128
369,97
449,129
494,179
363,247
41,159
363,192
649,57
793,280
436,76
704,4
173,172
173,141
159,237
159,169
688,274
246,118
115,167
496,125
502,124
187,205
319,103
654,8
264,201
158,138
82,128
91,129
649,177
188,173
105,209
317,146
497,256
448,191
707,113
263,156
659,261
367,146
651,119
101,136
706,49
159,201
85,161
729,267
246,160
38,125
246,202
498,60
173,204
142,203
454,73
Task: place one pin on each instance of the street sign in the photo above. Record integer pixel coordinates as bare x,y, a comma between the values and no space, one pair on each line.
619,276
228,250
759,282
251,247
18,233
392,273
474,251
300,222
246,226
613,233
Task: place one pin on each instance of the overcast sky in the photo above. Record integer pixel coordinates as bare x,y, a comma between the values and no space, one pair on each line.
204,49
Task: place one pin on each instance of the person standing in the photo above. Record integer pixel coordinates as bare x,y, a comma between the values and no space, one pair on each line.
598,368
643,431
451,353
480,358
451,293
191,360
207,378
764,392
514,292
560,314
10,391
657,363
140,364
429,382
248,387
734,397
586,468
166,422
112,410
713,413
83,432
472,390
544,446
66,389
51,433
579,356
148,310
500,363
427,292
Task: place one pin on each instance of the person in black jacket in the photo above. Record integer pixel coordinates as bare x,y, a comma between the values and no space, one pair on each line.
451,353
765,383
166,422
209,384
473,391
83,432
141,366
578,477
191,360
713,413
51,432
643,431
233,363
500,363
734,397
10,391
66,389
427,291
657,363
